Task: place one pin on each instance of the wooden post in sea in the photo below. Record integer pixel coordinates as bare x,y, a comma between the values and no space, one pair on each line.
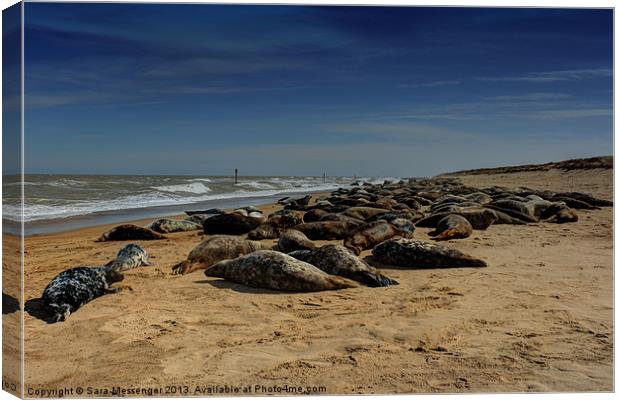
323,177
236,175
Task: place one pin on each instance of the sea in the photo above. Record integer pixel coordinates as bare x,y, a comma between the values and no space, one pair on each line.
62,202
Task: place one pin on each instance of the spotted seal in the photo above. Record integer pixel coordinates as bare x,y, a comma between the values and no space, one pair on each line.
129,257
73,288
274,270
292,240
373,233
412,253
130,232
214,249
338,260
452,226
165,225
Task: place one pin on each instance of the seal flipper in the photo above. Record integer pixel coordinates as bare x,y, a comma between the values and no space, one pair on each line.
181,268
373,279
446,235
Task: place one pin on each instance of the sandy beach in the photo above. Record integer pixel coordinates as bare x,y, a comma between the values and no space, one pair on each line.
539,318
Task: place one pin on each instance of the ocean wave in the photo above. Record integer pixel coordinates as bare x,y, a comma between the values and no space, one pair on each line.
196,188
38,212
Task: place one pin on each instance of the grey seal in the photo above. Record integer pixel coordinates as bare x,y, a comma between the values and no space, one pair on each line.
373,233
412,253
338,260
130,232
73,288
214,249
165,225
327,230
292,240
274,270
452,226
129,257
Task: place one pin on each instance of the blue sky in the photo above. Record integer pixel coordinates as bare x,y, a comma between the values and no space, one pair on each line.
298,90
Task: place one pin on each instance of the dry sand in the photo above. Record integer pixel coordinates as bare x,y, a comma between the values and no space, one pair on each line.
539,318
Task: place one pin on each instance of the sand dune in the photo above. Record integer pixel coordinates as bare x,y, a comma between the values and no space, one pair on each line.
539,318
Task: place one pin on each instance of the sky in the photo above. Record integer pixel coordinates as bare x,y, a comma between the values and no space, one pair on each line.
303,90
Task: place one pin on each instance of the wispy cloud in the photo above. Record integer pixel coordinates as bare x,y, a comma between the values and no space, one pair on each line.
552,76
430,84
530,97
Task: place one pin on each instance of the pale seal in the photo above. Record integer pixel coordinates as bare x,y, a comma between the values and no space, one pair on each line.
214,249
73,288
292,240
130,232
129,257
338,260
274,270
412,253
452,226
165,225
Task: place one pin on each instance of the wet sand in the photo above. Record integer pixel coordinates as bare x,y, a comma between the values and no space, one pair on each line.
539,318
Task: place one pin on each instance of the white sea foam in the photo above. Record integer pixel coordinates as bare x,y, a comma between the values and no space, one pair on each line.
111,194
196,187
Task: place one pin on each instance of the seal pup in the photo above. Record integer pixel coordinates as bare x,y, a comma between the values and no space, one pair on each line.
130,232
165,225
214,249
274,270
452,227
73,288
338,260
129,257
292,240
412,253
373,233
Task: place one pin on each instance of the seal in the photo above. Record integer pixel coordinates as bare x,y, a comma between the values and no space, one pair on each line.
412,253
214,249
130,232
275,225
452,226
292,240
73,288
338,260
373,233
165,225
230,224
327,230
364,213
559,214
274,270
129,257
479,218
